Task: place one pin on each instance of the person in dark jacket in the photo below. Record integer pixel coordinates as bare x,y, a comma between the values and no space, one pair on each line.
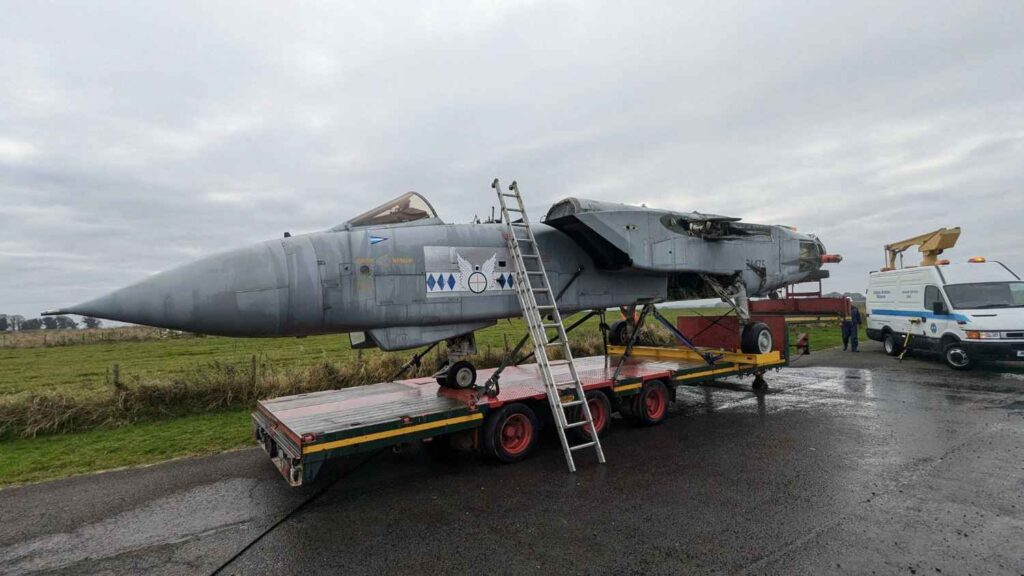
845,329
855,322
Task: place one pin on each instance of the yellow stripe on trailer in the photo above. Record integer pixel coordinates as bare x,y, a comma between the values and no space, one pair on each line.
703,373
685,354
628,387
391,433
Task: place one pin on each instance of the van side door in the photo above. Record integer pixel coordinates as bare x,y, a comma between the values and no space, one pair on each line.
934,326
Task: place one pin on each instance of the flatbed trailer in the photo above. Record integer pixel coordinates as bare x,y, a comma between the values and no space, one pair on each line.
302,432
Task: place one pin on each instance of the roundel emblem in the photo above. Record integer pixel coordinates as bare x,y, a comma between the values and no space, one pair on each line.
477,282
935,328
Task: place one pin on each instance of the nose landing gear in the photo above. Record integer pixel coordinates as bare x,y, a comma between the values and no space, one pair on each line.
458,373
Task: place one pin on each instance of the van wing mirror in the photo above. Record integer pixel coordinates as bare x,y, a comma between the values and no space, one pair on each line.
939,308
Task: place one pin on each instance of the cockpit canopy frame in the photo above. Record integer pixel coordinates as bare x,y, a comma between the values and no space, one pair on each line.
407,208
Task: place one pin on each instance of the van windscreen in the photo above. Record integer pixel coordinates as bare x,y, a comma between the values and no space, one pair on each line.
986,295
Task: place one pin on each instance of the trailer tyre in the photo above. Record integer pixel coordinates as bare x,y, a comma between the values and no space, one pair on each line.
650,406
891,344
757,339
511,432
600,411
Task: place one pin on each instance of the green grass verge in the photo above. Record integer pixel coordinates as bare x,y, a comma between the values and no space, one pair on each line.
49,457
82,370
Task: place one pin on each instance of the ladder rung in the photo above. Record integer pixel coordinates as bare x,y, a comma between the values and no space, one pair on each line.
579,424
509,195
582,446
545,307
541,272
553,343
531,255
519,224
550,324
571,403
514,210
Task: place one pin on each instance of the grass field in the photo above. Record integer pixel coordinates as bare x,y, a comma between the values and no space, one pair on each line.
34,459
83,370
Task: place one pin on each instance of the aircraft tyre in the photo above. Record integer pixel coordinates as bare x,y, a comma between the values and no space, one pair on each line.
510,433
891,344
600,411
650,406
757,339
460,375
618,333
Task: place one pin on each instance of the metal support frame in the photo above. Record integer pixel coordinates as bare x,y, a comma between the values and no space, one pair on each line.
414,361
492,387
708,357
651,309
632,340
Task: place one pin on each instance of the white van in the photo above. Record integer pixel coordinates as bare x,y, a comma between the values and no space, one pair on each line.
965,312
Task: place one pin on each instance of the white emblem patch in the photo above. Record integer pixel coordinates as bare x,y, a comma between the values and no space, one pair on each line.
471,278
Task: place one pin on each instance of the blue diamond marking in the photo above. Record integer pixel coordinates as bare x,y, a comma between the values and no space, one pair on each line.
510,281
451,281
501,280
430,282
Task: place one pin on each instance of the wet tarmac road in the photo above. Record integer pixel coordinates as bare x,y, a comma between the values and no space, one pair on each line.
899,469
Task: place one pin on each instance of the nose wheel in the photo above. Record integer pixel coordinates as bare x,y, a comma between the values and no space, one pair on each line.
459,376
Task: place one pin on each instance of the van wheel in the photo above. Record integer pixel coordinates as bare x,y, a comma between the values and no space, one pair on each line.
757,339
955,356
891,345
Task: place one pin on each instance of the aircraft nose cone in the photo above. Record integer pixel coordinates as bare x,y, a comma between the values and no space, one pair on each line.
243,292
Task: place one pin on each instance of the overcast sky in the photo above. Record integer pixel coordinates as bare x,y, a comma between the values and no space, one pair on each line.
135,136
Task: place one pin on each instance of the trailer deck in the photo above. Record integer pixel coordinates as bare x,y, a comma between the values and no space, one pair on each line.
301,432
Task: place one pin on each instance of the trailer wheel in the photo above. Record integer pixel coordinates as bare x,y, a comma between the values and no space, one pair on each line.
757,339
600,411
891,344
511,432
460,375
650,406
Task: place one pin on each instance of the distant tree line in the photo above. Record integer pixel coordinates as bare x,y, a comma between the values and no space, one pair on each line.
15,322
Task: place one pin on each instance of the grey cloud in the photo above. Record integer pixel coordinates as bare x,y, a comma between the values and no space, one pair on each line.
134,137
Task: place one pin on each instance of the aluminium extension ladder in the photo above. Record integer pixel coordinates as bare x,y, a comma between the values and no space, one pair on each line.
538,301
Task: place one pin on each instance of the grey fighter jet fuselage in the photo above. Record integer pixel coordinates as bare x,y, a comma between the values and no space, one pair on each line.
405,278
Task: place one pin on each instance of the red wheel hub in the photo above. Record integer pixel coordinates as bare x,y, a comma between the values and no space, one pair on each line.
598,415
655,403
516,434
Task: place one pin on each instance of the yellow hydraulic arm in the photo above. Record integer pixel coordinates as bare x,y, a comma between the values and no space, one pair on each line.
930,245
